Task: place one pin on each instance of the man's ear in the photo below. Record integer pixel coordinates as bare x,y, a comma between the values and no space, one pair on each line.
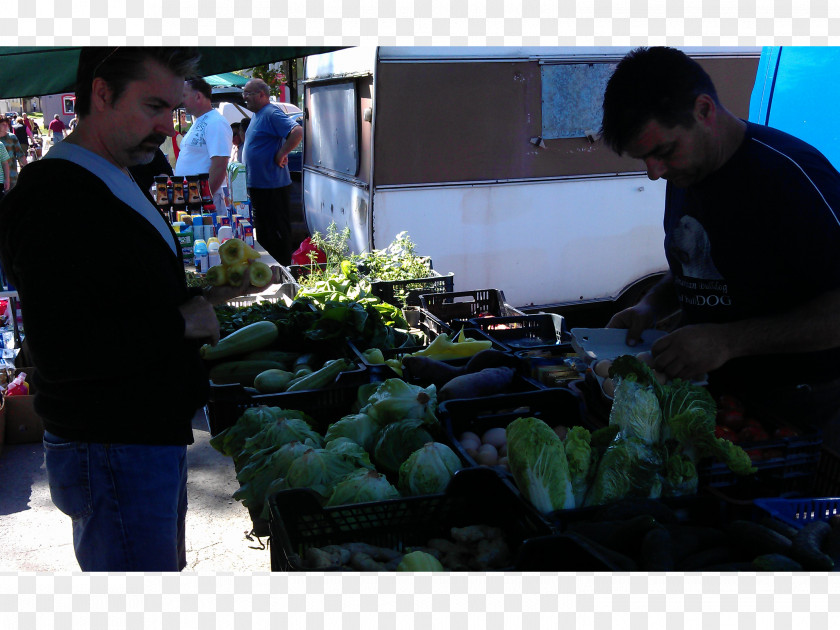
101,94
705,109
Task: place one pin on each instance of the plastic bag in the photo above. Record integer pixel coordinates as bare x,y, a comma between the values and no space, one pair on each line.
301,255
19,386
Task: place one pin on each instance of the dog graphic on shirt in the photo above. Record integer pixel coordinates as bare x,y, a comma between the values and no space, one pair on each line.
690,245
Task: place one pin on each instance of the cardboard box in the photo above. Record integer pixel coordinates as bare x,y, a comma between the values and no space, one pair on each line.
23,425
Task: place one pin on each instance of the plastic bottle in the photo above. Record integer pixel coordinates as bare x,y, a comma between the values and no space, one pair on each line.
201,256
225,233
198,227
213,257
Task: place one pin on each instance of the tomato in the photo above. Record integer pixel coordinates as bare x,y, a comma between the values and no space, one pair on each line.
752,434
752,422
755,454
726,433
730,418
730,402
783,432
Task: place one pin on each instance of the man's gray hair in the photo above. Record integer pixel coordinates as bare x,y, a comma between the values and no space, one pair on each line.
262,86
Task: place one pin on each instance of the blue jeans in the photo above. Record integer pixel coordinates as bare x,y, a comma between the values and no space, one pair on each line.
128,502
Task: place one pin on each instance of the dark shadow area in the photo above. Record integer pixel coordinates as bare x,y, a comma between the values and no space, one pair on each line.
20,466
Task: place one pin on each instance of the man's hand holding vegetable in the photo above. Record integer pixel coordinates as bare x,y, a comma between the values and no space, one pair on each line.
200,321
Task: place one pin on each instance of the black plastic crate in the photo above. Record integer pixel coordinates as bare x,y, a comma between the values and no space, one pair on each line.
403,293
783,465
553,406
458,307
227,403
525,332
827,478
571,548
380,371
299,522
555,366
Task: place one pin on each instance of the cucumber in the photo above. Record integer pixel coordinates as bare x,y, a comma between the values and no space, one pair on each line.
657,553
689,539
322,377
788,531
615,561
242,372
806,547
713,556
757,539
775,562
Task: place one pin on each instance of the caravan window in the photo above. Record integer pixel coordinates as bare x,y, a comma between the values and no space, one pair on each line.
336,146
572,95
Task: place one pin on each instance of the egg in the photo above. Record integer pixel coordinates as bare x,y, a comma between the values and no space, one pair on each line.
496,436
503,450
487,455
609,387
503,463
602,368
661,377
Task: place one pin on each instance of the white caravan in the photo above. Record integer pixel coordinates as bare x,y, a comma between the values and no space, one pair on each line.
488,158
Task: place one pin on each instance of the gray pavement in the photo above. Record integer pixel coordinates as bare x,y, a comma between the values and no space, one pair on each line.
37,537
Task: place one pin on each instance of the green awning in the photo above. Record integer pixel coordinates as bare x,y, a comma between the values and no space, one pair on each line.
27,71
226,79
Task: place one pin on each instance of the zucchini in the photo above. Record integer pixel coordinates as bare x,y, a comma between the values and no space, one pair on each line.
281,356
306,360
614,560
322,377
272,381
252,337
807,547
242,372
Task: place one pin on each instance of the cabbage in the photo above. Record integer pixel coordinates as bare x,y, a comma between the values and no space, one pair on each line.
537,460
318,469
395,400
419,561
629,468
428,469
276,459
635,410
289,427
581,460
397,441
680,476
348,448
361,486
230,441
358,427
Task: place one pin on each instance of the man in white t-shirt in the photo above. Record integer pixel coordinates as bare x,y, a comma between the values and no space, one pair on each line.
206,147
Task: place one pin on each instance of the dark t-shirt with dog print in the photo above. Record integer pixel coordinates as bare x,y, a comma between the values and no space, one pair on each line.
759,236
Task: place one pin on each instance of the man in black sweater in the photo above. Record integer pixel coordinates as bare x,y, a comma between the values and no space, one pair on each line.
114,335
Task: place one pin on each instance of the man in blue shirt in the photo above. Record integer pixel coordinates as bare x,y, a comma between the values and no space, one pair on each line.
270,137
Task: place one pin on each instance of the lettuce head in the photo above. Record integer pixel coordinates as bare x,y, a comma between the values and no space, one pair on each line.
538,463
428,469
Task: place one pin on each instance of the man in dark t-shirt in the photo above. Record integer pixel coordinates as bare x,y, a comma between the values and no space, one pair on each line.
752,225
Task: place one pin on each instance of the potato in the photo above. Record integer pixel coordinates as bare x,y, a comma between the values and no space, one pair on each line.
495,436
602,368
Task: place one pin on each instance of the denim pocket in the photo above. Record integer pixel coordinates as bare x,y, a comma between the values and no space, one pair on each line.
69,477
